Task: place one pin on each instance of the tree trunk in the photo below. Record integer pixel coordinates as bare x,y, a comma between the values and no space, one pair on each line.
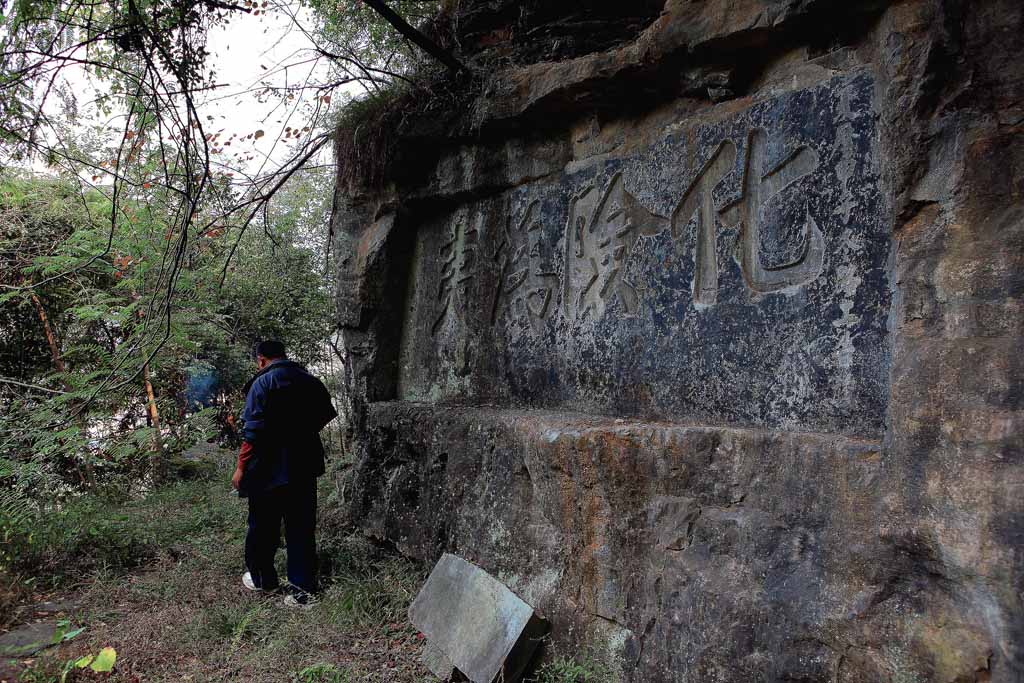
51,338
159,461
58,364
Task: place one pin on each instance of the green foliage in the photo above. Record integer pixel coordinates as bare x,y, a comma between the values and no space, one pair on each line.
49,671
366,45
91,534
65,631
102,662
582,668
235,623
363,587
321,673
18,517
56,545
93,317
186,617
278,287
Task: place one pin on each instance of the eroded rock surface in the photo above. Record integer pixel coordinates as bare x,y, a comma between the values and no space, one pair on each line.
703,335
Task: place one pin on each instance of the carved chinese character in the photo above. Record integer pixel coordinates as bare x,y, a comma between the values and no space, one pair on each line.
526,278
458,265
760,185
698,201
602,230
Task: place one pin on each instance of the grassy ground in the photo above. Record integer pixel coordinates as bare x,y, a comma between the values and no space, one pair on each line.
158,579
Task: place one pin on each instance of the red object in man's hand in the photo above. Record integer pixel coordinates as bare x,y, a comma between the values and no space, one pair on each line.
244,455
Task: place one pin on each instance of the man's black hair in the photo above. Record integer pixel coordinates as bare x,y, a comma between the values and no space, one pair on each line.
270,349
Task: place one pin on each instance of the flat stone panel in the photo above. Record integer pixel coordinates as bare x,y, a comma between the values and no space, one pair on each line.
735,270
437,661
473,621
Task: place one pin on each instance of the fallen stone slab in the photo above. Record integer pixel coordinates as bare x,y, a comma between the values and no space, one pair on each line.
51,607
438,663
474,624
28,639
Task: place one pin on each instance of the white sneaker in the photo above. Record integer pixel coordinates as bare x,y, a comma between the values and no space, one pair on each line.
247,582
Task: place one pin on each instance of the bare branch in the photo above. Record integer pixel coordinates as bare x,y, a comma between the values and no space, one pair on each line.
414,35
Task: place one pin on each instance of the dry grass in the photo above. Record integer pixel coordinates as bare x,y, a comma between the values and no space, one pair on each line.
184,616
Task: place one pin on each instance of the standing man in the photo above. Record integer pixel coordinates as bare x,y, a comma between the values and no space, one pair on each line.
280,460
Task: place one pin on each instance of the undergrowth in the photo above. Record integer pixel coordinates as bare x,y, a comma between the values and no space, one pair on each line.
158,579
583,667
92,535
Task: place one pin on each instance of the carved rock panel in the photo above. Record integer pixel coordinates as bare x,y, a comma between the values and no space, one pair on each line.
734,271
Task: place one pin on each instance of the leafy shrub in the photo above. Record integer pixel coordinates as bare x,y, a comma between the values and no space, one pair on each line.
17,514
90,533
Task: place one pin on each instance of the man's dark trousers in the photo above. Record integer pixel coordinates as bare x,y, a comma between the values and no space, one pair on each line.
295,503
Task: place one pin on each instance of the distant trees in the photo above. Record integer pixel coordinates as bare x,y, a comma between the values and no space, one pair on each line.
77,411
129,261
157,145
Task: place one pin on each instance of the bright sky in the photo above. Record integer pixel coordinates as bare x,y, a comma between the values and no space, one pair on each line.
251,51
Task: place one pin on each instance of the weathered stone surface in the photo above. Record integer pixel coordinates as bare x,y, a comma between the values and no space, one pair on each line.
479,626
721,33
28,639
708,343
734,270
625,527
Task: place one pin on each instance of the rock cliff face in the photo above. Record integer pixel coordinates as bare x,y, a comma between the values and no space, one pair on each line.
700,327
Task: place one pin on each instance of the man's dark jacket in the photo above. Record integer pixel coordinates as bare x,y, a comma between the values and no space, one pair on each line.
285,409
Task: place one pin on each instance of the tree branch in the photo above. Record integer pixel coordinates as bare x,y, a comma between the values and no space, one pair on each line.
415,35
7,380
